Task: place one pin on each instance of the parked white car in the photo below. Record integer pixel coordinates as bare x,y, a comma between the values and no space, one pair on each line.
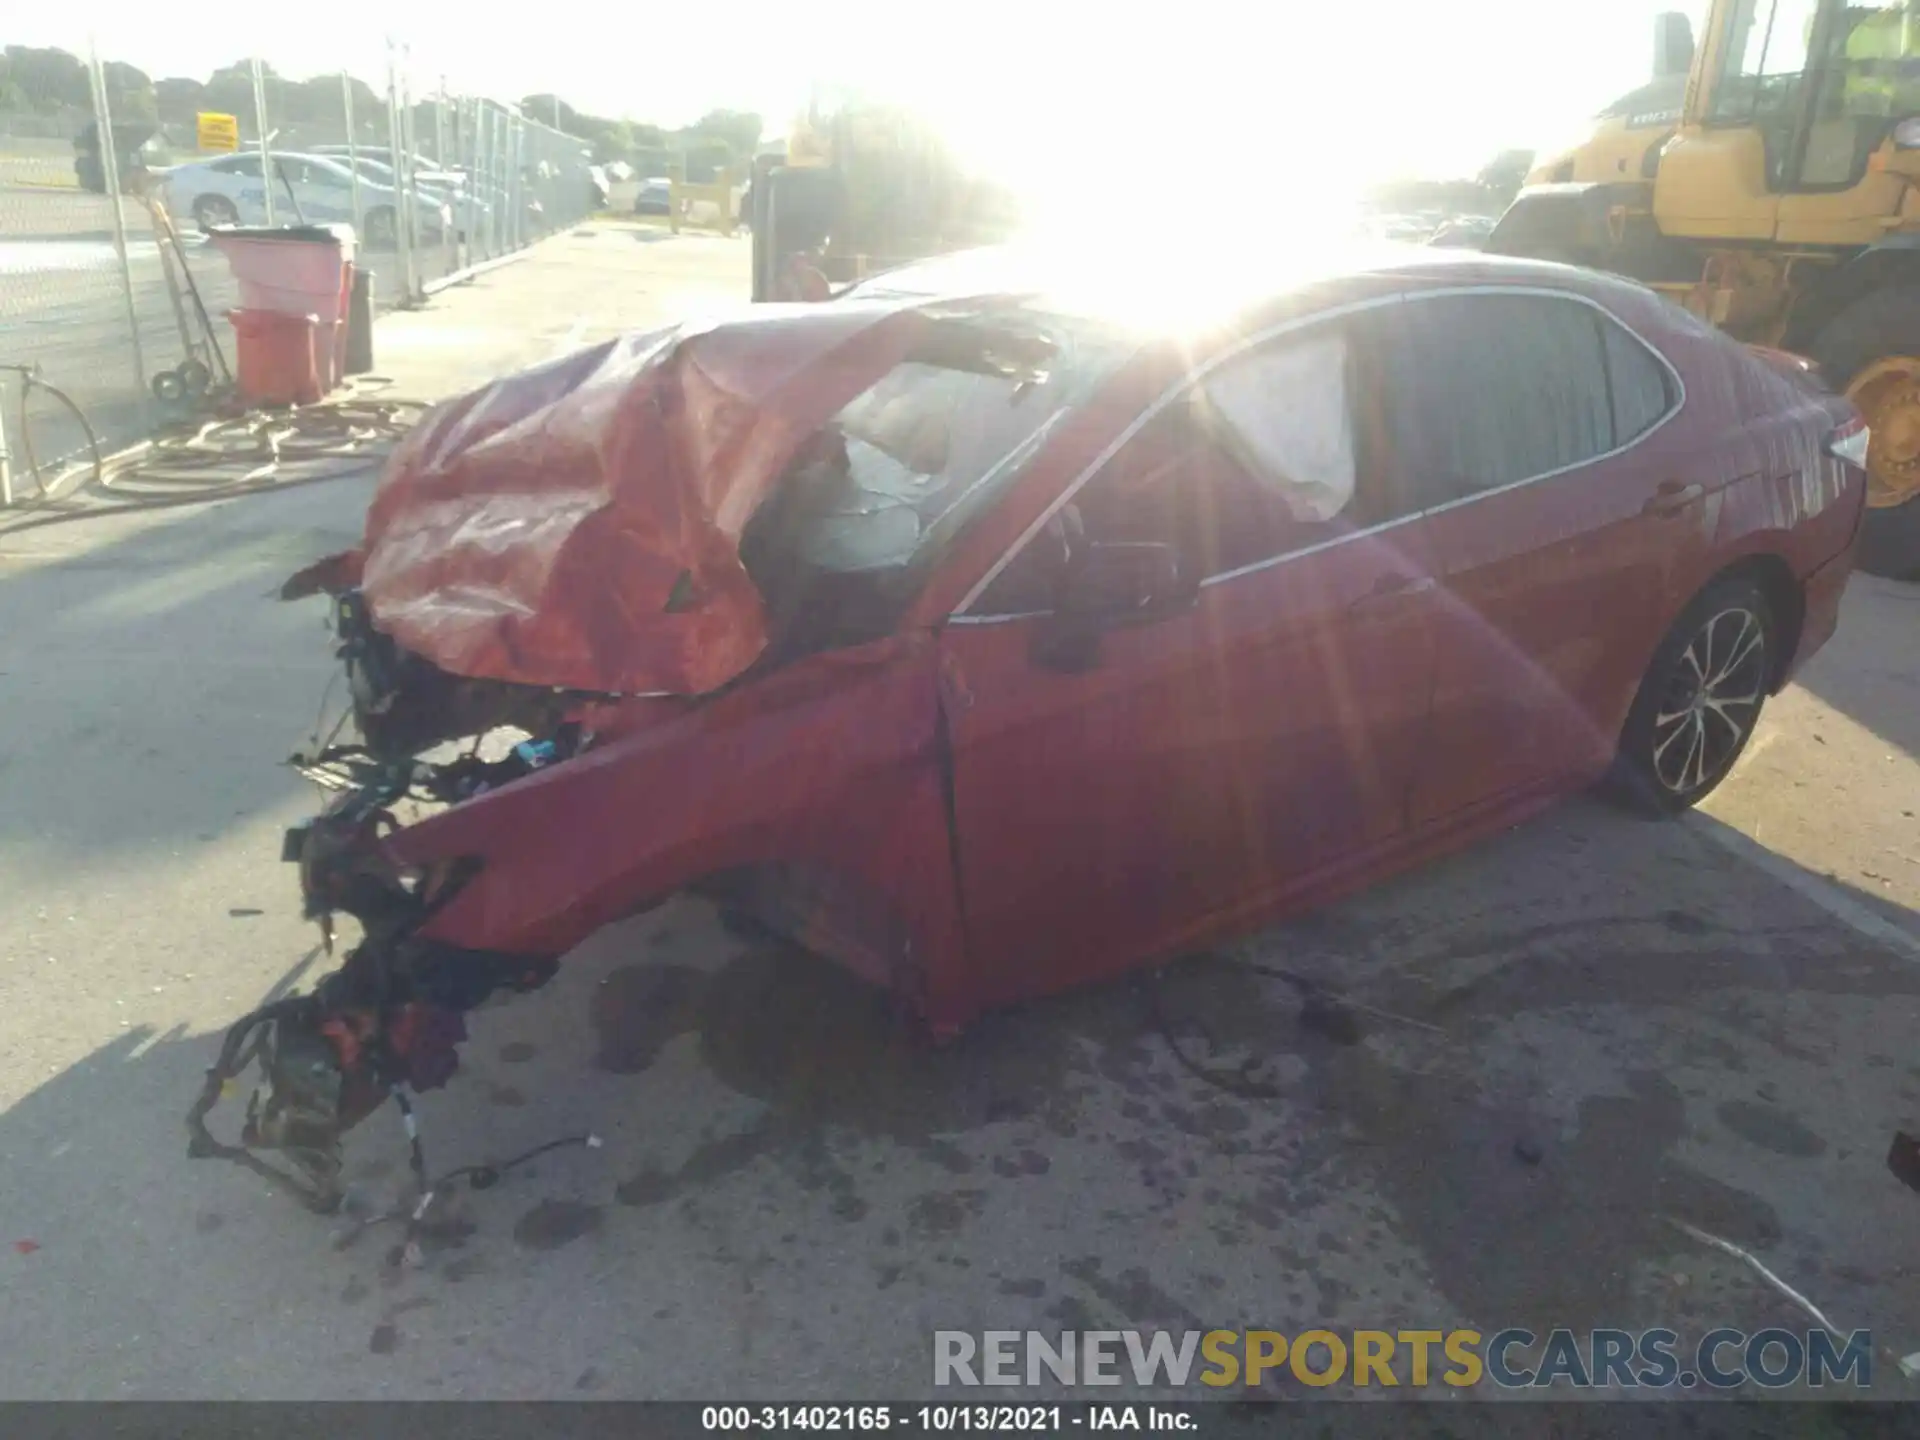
232,191
425,171
432,186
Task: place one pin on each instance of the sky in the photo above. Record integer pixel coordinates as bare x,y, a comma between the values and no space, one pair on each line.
1222,89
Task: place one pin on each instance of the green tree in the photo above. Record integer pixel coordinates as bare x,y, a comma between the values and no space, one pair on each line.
178,100
738,130
49,79
546,106
1502,176
612,140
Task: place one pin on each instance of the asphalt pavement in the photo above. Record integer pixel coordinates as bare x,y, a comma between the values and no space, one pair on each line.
1619,1024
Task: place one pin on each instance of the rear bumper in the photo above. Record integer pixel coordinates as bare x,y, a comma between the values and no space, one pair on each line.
1824,589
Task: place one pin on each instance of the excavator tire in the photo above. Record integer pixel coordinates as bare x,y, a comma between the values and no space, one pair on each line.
1871,351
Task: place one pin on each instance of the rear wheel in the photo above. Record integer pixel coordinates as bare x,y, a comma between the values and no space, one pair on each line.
1869,350
1699,700
212,210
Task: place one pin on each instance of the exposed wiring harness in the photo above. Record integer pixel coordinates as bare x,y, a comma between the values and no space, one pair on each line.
249,1040
426,1191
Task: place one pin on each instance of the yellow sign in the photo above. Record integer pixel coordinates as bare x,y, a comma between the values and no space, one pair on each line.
217,132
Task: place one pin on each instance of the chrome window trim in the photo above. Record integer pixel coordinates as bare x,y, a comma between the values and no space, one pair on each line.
961,616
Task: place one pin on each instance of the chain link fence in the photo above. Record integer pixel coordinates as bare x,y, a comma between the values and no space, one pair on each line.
96,161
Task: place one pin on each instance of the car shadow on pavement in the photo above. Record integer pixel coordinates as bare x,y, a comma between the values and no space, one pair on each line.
1539,1053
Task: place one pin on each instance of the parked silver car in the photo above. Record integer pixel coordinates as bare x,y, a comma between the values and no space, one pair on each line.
232,191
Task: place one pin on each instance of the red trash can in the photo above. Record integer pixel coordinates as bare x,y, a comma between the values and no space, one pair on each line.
296,270
277,357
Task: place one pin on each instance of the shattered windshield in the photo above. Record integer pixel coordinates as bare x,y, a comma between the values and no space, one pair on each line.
903,467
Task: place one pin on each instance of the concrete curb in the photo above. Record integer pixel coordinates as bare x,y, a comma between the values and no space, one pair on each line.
460,277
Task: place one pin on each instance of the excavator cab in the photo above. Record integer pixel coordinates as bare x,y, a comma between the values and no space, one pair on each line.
1802,128
1785,209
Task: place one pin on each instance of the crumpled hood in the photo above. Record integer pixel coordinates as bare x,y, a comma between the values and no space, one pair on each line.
578,524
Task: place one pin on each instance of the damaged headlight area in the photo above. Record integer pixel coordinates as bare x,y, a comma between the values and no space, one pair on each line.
388,1021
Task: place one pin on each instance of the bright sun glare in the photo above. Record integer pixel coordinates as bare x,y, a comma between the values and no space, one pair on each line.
1202,113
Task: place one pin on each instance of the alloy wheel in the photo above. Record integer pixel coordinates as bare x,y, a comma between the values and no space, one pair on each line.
1711,700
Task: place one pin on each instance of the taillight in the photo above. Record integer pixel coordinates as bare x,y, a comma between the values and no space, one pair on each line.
1849,443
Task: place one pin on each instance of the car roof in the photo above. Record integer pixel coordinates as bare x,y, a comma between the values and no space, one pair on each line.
1218,286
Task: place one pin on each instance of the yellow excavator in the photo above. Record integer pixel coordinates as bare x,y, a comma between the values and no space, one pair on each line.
1781,203
1625,139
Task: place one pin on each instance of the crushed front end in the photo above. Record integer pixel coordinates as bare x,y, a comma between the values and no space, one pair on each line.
551,629
388,1021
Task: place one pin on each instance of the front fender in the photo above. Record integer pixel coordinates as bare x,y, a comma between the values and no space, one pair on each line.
834,761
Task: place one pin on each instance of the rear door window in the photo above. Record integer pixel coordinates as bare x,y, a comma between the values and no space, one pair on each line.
1491,390
1501,388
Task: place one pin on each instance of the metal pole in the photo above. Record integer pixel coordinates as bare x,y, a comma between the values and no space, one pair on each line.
496,178
556,112
260,123
353,160
6,458
110,172
477,181
450,229
516,204
403,163
409,135
470,164
407,278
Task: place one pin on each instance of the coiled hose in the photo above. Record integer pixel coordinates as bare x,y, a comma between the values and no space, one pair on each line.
206,462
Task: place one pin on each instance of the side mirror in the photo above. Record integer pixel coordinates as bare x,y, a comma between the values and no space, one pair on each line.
1109,586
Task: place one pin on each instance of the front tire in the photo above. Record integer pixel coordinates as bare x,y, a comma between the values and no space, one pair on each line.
1699,701
1869,351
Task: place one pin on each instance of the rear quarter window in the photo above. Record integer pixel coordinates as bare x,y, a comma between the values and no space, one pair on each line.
1643,391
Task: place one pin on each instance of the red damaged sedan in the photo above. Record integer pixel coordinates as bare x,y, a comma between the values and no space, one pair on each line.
969,635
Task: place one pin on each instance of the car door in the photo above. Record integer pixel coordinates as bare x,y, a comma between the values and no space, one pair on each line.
241,182
325,194
1198,764
1560,510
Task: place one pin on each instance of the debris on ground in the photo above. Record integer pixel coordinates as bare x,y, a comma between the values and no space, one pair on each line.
1727,1247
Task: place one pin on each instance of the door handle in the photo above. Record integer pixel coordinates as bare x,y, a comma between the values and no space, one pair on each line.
1670,497
1387,593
